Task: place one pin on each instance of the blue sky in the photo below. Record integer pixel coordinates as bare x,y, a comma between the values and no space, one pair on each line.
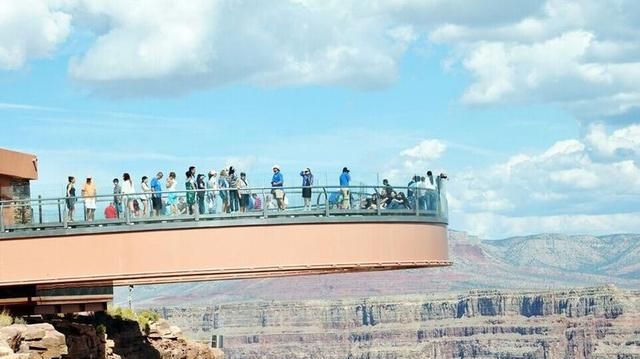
532,111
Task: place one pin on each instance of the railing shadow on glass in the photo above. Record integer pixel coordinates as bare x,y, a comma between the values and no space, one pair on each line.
222,203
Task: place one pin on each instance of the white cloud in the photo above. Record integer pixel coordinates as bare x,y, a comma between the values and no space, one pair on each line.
415,160
622,142
427,150
563,53
30,29
536,52
576,177
566,182
166,47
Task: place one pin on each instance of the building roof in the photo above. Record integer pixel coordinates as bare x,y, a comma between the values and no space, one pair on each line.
18,164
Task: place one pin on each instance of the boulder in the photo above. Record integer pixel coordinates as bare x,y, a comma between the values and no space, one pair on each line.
36,341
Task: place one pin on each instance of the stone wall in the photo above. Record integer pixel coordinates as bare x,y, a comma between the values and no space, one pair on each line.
15,189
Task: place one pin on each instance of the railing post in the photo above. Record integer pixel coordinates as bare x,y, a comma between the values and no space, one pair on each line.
65,217
1,217
127,212
59,211
196,210
40,209
326,202
378,202
264,204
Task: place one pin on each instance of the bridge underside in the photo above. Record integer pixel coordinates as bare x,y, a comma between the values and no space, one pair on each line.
174,252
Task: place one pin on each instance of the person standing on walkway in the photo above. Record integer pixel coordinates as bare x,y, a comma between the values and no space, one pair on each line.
71,197
89,193
117,196
223,185
234,198
307,183
277,182
172,196
128,189
190,186
432,195
145,198
345,180
202,187
421,193
156,194
244,192
212,193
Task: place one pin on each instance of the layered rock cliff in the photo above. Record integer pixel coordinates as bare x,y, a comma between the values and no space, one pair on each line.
601,322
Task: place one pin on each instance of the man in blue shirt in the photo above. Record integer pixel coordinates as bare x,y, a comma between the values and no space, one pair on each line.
156,197
277,181
345,179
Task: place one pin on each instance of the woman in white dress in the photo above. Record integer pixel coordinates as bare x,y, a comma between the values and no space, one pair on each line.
128,189
145,198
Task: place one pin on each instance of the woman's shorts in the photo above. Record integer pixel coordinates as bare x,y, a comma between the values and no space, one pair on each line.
306,193
71,203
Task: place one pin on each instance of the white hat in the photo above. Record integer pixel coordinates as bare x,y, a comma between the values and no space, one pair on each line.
213,173
276,166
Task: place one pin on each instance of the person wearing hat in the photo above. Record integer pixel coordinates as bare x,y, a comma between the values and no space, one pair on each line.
345,179
89,193
277,182
307,182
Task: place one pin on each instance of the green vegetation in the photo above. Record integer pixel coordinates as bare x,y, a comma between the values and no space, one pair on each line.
144,318
5,319
101,329
123,313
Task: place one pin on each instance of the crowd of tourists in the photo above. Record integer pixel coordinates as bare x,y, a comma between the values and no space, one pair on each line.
231,192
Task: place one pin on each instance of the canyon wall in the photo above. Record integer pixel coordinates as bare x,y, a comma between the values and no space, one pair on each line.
602,322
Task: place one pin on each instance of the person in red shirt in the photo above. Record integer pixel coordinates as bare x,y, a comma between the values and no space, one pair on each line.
110,212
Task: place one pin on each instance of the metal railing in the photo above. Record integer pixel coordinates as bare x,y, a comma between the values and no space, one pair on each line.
222,203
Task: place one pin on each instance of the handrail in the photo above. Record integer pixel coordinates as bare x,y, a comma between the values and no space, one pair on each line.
365,200
140,194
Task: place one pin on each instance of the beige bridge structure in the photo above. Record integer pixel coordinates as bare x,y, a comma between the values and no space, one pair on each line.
54,266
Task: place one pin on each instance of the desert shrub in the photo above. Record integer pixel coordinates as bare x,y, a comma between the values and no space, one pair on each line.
123,313
145,318
5,319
